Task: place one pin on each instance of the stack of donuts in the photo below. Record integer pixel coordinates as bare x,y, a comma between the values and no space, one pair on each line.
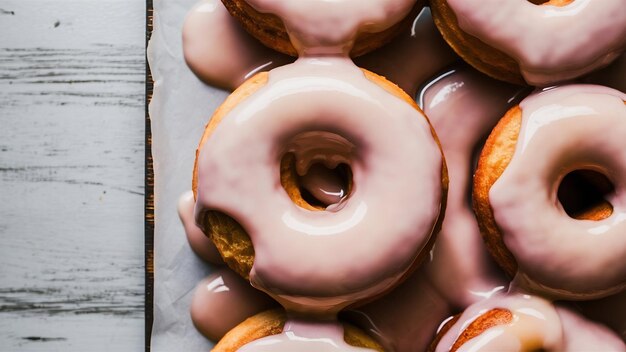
396,175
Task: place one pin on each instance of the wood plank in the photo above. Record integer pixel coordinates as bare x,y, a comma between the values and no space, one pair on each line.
71,175
149,197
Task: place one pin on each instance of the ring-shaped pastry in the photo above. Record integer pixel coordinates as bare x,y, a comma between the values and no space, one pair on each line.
552,134
522,41
334,114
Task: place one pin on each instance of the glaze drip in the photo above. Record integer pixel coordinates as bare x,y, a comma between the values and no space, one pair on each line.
198,241
230,56
322,28
219,51
405,319
463,106
413,57
223,300
305,336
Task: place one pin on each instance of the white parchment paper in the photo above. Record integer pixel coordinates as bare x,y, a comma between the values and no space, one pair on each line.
180,108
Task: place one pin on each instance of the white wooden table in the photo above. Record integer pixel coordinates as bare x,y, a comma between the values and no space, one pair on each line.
72,175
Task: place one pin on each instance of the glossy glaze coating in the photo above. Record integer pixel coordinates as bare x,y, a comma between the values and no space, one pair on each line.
324,184
463,106
407,318
565,129
219,51
536,324
223,300
416,55
199,242
543,39
304,336
318,27
392,141
222,54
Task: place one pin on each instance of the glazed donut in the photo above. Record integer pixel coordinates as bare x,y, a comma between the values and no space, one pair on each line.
518,41
324,27
331,113
271,323
530,227
519,322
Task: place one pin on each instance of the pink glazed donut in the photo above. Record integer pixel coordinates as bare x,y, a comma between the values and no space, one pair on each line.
519,41
320,27
519,322
270,192
550,192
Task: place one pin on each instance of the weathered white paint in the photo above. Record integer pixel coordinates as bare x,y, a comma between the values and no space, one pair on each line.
71,175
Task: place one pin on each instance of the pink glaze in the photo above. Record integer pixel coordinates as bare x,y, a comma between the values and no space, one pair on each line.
550,43
222,54
416,55
199,242
396,166
583,335
407,318
536,324
463,106
565,129
223,300
319,27
324,184
304,336
219,51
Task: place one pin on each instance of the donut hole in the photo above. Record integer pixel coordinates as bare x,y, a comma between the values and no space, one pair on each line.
319,187
584,194
315,170
322,186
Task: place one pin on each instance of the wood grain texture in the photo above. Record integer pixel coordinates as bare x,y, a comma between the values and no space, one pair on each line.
72,84
149,197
